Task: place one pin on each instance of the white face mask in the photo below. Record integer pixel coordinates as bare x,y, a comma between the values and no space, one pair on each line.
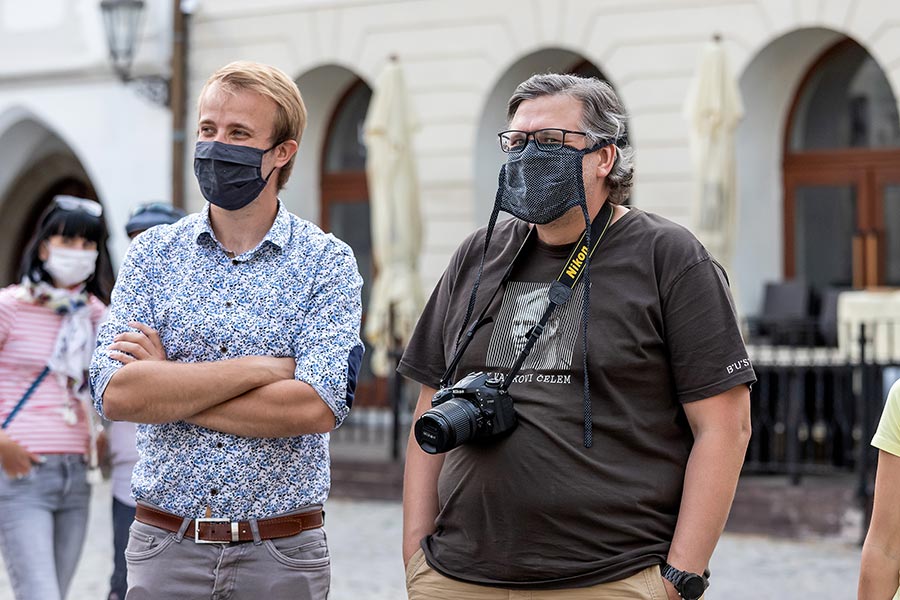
68,266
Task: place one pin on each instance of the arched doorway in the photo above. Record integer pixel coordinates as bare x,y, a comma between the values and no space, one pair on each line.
488,156
842,174
344,208
43,166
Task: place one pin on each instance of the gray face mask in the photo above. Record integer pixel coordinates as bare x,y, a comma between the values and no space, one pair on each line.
540,186
230,176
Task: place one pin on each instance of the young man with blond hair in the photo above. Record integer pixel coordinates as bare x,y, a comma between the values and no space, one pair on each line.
233,339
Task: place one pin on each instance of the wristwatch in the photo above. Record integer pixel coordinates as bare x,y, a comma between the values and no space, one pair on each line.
689,586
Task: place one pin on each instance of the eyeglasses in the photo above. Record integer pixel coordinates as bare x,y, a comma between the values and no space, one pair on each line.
72,203
513,140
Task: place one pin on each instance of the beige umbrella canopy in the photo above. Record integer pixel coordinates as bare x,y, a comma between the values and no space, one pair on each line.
714,108
396,297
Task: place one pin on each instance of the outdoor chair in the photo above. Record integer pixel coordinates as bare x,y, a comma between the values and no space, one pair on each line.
827,321
785,318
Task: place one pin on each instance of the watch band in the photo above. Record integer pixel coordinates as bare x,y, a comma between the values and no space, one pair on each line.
678,577
673,575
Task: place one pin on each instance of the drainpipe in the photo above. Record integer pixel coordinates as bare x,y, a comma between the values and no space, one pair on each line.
178,96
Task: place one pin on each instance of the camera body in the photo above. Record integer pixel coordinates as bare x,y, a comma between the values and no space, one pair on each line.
476,408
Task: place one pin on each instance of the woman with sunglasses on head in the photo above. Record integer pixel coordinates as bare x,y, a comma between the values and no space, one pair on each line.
48,325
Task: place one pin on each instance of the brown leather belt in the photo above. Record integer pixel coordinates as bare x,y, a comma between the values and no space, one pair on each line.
218,531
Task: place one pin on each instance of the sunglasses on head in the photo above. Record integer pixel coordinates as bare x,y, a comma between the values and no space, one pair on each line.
72,203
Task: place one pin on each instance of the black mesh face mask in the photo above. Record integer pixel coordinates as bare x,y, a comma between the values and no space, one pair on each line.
539,186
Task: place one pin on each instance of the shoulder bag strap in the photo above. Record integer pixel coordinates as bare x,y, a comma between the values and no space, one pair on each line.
25,397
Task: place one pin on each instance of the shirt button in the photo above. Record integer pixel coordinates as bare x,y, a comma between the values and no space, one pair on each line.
223,349
228,303
235,262
218,444
214,491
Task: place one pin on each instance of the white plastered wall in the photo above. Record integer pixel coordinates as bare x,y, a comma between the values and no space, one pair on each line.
58,93
120,139
455,53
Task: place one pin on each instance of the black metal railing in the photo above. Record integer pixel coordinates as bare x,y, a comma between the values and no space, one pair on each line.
815,409
378,432
802,419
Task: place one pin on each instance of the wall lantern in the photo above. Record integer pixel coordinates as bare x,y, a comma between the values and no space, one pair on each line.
122,20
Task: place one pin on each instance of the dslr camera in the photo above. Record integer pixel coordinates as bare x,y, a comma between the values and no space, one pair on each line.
476,408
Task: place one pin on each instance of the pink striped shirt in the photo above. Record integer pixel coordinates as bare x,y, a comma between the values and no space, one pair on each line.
27,337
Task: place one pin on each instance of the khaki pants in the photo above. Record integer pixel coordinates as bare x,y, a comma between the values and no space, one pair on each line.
424,583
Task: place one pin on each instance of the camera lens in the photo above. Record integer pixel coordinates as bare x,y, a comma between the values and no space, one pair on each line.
446,426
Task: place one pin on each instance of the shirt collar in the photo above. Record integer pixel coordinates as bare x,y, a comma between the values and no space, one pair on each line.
202,225
280,232
278,235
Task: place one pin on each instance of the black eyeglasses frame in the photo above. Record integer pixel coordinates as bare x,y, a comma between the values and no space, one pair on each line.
534,136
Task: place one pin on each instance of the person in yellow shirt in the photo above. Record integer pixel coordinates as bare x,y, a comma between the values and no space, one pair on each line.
879,574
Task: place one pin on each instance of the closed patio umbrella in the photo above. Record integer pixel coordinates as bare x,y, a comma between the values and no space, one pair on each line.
396,297
713,109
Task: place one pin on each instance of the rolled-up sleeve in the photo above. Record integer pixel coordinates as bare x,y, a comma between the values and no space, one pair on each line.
329,349
131,301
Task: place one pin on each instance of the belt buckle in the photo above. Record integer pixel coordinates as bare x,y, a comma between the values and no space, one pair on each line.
197,523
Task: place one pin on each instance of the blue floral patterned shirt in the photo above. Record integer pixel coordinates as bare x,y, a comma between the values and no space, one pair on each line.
296,294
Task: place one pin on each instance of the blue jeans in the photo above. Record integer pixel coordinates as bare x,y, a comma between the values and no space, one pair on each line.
123,515
43,520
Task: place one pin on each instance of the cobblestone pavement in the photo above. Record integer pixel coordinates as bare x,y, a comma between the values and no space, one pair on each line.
365,544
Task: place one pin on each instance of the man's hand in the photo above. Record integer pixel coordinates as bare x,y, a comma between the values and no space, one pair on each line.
671,594
103,456
143,344
17,461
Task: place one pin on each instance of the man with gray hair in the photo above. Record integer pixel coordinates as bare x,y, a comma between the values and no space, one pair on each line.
618,478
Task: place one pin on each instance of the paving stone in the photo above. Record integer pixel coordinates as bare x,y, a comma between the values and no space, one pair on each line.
364,537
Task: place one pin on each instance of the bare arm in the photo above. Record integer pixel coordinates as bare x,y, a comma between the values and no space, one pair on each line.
878,573
283,409
420,494
165,391
721,427
151,389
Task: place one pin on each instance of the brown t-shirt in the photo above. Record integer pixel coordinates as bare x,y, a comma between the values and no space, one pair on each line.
537,509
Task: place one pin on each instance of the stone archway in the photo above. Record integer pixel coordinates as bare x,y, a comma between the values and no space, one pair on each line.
842,175
329,184
46,167
759,155
322,88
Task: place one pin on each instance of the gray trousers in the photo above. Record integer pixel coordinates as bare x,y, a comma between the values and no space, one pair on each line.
163,566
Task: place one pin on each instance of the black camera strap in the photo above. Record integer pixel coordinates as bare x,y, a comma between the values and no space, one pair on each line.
561,289
462,342
559,293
